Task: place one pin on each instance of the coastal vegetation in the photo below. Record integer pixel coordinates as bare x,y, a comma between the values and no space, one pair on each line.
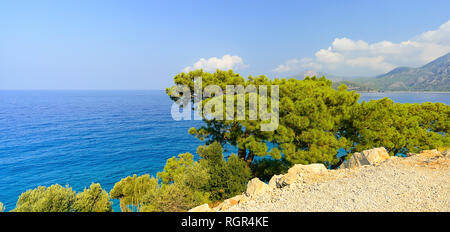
184,183
63,199
316,121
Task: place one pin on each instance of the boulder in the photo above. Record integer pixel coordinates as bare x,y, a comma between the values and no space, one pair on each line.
430,153
274,181
222,206
310,168
201,208
288,179
446,153
295,174
237,199
368,157
376,156
357,160
228,203
256,187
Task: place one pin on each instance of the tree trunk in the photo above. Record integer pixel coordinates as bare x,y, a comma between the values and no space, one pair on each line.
242,153
123,206
341,160
249,158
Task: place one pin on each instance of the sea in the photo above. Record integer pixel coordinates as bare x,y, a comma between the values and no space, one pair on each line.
75,138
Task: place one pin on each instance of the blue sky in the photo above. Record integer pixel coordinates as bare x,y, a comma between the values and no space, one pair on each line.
143,44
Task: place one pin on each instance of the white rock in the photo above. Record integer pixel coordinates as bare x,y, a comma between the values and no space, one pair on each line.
376,156
433,152
314,168
256,187
368,157
446,153
274,181
295,174
201,208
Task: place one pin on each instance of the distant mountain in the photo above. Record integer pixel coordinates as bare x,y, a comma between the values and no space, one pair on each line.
395,71
434,76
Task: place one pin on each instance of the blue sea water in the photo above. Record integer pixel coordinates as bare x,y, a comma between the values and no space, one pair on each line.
79,137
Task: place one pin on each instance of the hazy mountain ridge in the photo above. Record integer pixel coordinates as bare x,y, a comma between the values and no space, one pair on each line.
434,76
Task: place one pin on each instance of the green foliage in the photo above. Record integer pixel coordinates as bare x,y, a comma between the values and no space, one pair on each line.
175,167
195,177
226,178
316,120
93,199
244,134
240,174
47,199
184,183
179,187
132,191
183,186
174,198
312,115
265,168
400,128
62,199
2,207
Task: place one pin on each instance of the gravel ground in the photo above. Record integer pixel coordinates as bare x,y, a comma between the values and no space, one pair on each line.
416,183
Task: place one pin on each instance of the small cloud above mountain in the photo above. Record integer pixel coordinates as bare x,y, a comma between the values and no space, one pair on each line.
348,57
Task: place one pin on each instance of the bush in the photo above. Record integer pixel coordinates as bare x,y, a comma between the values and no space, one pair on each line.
174,198
179,187
264,169
62,199
183,186
400,128
226,178
42,199
94,199
132,191
184,183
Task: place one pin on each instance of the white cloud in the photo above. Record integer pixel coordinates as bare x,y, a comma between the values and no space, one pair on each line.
356,57
440,36
289,66
209,65
294,65
328,56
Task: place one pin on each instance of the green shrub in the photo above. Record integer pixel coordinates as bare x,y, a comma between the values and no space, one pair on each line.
62,199
132,191
226,178
265,168
47,199
93,199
